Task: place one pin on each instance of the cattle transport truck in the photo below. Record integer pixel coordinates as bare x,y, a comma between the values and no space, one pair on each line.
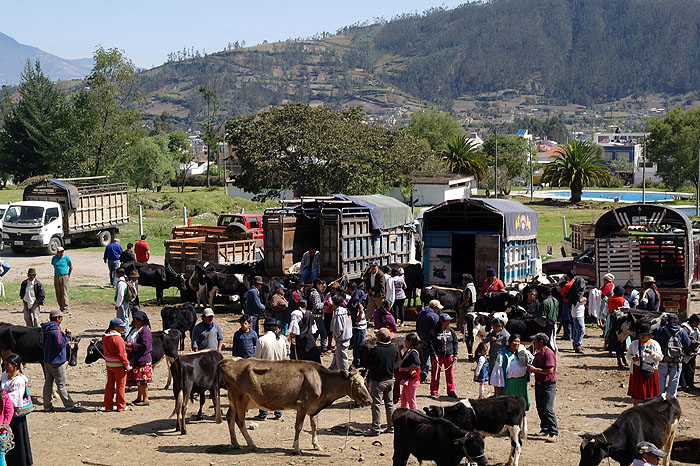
55,212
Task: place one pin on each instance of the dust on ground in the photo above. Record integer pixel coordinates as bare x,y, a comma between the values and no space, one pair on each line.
591,394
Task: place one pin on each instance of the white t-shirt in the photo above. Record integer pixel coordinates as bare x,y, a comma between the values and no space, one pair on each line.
29,296
578,311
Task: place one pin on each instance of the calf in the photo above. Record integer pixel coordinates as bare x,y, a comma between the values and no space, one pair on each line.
165,345
182,317
158,276
26,342
235,285
432,438
194,373
413,276
370,342
450,298
489,416
478,324
529,326
498,302
653,421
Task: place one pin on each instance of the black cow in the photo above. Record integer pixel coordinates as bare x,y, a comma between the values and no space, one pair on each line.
502,301
26,342
196,280
158,276
164,346
530,326
490,416
235,285
431,438
477,325
182,317
625,323
413,276
193,373
450,298
653,421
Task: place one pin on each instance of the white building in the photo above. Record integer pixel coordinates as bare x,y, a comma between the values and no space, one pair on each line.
432,190
627,147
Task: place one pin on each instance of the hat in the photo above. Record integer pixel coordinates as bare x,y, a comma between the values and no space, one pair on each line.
117,322
609,277
31,271
280,287
384,334
258,280
672,318
139,315
271,322
646,447
497,323
649,279
445,317
645,329
618,291
134,274
208,312
117,240
629,284
57,313
436,303
299,283
334,285
540,337
373,263
400,270
60,249
491,272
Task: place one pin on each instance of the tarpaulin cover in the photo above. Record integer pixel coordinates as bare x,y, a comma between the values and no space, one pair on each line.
385,212
649,215
72,191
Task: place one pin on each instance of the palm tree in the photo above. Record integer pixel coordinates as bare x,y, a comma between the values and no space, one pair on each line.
577,165
463,156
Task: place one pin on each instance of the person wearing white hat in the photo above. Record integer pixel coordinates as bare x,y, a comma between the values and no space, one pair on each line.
425,323
207,334
650,300
62,269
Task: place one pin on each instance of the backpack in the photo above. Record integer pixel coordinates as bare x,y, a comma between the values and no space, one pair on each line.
674,349
130,292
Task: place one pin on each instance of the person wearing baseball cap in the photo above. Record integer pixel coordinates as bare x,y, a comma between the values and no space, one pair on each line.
207,334
544,366
426,321
62,269
647,454
443,348
117,363
492,284
33,294
55,342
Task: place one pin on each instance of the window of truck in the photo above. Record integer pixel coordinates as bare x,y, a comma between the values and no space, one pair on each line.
51,215
254,222
24,214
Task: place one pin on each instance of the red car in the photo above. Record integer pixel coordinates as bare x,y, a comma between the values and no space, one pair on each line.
583,265
253,222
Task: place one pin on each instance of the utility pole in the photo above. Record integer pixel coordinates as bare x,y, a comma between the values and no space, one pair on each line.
495,172
644,172
532,176
697,194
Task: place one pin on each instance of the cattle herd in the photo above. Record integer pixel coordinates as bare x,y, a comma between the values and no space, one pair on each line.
445,434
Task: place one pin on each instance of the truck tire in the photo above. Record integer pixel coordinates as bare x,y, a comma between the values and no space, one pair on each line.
18,249
104,238
52,248
237,230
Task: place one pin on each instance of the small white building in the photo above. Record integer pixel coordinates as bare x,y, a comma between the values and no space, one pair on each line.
429,190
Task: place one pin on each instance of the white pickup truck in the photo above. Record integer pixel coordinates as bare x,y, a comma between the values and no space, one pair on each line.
55,212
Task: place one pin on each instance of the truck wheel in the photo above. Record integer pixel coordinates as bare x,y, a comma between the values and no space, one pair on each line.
18,249
104,238
237,230
52,248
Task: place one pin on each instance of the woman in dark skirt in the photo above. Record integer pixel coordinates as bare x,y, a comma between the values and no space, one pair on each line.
139,349
301,334
15,384
648,352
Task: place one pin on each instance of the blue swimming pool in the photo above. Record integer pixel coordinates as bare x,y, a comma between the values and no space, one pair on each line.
624,196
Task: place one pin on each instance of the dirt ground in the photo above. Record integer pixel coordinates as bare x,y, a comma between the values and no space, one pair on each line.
592,392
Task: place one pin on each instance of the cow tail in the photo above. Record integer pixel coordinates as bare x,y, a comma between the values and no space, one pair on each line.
523,426
179,400
217,393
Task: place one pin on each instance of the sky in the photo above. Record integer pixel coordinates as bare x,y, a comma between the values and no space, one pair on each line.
148,30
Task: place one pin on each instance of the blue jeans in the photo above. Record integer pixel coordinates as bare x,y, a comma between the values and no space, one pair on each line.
358,336
672,370
307,273
253,318
124,313
544,397
566,321
424,362
578,328
322,332
113,265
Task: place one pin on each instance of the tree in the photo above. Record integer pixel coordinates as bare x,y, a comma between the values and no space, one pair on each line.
435,127
512,160
673,144
34,134
104,125
463,156
148,162
577,165
210,127
319,151
181,150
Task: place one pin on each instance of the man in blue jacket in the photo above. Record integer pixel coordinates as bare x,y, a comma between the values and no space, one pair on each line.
54,342
425,323
253,304
674,343
113,252
359,323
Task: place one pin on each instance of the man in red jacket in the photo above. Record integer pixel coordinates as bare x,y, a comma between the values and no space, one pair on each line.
142,251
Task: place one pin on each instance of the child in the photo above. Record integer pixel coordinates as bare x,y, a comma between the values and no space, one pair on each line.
408,375
482,369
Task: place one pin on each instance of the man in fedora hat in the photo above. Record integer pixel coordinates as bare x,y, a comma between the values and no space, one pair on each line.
253,303
271,347
650,300
375,286
54,342
32,293
62,269
631,295
207,334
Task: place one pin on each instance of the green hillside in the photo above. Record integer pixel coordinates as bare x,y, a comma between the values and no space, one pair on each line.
563,51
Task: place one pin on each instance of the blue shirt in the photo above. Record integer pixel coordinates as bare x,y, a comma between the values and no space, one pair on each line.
253,306
425,323
113,251
244,343
61,266
54,342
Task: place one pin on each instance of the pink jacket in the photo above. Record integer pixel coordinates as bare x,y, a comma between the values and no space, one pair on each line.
7,410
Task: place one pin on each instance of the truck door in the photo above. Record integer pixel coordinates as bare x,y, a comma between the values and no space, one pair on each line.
620,256
330,246
487,254
279,243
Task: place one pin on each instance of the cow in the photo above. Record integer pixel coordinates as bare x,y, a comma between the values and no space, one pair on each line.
625,323
450,298
432,438
165,345
478,324
196,281
182,317
235,285
413,276
530,326
502,301
489,416
370,342
686,450
158,276
26,342
194,373
305,386
652,421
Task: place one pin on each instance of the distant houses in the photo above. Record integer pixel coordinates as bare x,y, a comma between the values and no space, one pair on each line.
623,153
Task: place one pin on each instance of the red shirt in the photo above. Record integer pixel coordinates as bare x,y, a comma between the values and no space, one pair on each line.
565,289
544,359
142,251
494,287
615,302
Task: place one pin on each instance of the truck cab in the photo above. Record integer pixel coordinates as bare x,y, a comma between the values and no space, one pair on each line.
253,222
33,224
582,264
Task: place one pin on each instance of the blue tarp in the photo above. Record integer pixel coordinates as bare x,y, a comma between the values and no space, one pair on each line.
385,212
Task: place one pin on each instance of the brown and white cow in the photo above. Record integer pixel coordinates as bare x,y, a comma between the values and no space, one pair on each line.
305,386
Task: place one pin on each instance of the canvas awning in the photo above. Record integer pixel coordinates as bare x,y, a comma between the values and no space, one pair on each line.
385,212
